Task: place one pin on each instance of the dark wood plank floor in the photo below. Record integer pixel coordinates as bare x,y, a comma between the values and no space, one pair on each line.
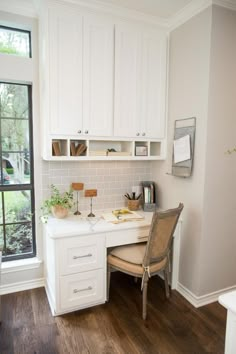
173,326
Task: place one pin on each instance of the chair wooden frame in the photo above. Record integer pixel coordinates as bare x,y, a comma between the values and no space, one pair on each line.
157,253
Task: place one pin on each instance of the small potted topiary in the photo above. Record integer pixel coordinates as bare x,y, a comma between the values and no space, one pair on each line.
58,204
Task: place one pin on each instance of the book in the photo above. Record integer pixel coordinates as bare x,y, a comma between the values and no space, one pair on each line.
121,215
81,148
56,150
119,153
72,149
97,153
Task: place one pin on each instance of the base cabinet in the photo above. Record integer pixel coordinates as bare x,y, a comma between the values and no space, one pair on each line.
82,289
75,258
75,269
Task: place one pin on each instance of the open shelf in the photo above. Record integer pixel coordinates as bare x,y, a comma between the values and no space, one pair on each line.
70,149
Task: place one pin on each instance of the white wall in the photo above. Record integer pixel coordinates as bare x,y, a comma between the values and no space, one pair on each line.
218,245
188,97
17,69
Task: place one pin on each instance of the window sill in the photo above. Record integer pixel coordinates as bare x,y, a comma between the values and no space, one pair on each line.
20,265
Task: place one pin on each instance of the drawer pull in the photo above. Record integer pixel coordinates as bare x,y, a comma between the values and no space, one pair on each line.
75,291
83,256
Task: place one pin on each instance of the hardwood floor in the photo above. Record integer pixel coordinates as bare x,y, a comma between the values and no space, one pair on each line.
173,326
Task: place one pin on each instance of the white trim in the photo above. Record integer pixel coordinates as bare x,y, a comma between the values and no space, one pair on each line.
20,265
115,10
21,286
198,301
189,11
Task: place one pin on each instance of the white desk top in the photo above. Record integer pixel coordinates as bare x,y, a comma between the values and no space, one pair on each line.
81,225
228,300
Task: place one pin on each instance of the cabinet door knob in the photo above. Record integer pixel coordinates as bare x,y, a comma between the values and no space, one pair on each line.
143,134
79,132
86,131
137,134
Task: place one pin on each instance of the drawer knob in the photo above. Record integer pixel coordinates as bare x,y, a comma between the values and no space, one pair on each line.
83,256
75,291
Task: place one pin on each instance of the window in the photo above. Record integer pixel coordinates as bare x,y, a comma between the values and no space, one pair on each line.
17,222
15,42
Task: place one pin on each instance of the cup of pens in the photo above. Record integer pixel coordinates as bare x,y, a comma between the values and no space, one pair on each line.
133,201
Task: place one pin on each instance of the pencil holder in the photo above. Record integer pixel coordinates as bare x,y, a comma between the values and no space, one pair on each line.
133,204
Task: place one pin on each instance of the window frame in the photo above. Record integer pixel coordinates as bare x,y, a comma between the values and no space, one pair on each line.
20,187
22,31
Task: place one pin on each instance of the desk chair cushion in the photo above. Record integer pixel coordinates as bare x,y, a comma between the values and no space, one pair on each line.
130,259
131,253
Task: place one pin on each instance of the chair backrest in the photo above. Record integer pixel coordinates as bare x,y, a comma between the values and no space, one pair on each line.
161,234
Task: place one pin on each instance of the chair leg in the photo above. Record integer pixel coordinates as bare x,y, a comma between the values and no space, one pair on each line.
145,286
108,281
166,278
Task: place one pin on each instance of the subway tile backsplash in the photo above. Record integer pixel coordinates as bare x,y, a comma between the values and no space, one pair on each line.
112,179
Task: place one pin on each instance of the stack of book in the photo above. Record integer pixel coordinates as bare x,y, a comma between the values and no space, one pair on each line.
77,149
119,153
97,153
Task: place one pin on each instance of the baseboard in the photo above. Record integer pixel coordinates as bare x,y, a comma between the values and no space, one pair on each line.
198,301
21,286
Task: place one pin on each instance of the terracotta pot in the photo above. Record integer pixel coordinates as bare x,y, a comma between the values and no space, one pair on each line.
133,204
59,211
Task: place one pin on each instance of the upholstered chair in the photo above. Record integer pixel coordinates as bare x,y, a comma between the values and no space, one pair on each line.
143,260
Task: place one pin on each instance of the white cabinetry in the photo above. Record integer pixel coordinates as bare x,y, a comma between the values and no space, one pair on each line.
75,272
98,76
140,76
81,74
75,258
102,79
65,70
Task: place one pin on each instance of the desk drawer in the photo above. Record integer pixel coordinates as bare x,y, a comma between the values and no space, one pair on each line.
79,254
82,289
124,237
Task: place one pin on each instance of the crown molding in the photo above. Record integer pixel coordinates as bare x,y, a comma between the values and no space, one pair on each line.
189,11
115,10
22,7
29,8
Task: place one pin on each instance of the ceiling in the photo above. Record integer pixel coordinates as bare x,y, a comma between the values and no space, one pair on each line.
160,8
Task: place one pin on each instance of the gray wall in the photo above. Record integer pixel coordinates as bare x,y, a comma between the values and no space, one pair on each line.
218,246
202,84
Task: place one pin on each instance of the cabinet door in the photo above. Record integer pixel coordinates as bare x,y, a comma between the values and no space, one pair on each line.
140,76
127,76
65,71
98,76
153,89
82,290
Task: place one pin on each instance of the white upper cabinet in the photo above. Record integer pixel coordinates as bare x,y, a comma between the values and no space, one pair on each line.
127,77
140,76
65,71
81,74
98,76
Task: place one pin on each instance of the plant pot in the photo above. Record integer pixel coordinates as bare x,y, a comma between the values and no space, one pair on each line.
133,204
59,211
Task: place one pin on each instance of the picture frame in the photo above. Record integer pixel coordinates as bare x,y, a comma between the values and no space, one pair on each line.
141,150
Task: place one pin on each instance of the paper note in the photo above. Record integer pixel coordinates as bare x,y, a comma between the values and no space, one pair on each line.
182,149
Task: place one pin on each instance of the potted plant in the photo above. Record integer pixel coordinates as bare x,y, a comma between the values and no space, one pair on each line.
58,204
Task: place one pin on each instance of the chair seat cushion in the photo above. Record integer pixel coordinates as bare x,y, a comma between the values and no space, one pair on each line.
130,259
131,253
